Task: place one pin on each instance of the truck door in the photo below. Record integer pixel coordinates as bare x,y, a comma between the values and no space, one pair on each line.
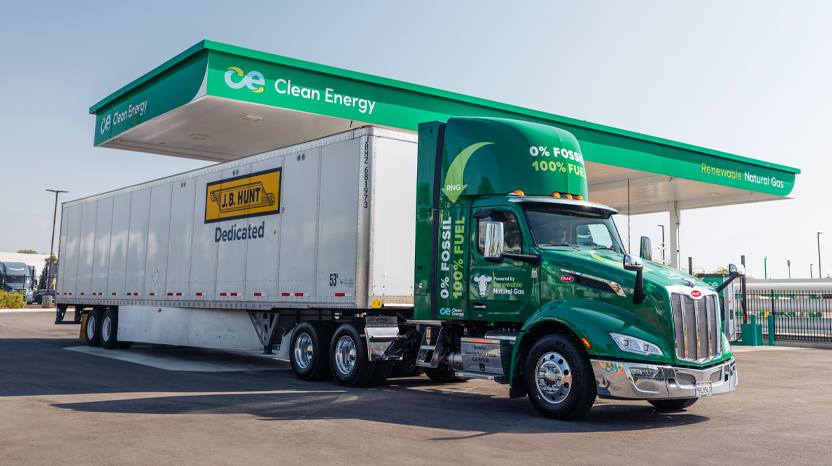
499,291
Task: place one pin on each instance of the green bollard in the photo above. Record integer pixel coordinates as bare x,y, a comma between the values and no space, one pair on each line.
770,330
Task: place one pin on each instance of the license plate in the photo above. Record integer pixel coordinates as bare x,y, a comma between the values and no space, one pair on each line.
704,389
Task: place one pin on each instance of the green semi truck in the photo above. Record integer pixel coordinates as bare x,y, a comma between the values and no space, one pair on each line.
472,250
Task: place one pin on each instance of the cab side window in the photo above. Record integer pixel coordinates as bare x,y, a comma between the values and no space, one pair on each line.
511,230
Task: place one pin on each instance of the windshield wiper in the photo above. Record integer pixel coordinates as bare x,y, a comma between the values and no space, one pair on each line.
605,247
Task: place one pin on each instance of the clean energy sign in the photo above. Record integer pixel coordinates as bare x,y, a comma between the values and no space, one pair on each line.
283,86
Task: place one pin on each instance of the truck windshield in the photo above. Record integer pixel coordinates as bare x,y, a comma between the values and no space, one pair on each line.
14,282
564,228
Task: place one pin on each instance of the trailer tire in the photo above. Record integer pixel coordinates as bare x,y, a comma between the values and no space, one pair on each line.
92,330
559,378
673,405
109,329
442,374
125,344
348,359
309,351
381,373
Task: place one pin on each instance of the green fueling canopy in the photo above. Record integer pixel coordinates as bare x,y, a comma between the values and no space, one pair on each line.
218,102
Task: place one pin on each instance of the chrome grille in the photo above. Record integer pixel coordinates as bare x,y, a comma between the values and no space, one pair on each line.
685,379
716,376
696,327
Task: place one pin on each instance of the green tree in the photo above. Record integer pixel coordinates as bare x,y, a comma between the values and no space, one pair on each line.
721,270
54,260
27,251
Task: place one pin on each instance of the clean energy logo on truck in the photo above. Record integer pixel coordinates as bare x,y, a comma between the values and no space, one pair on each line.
243,196
254,80
453,186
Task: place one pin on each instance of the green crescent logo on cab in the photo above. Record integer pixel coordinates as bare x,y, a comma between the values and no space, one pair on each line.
254,80
453,186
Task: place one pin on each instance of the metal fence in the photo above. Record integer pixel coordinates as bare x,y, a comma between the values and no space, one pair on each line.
803,315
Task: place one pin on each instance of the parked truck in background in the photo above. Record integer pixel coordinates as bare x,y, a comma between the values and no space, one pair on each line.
17,277
470,250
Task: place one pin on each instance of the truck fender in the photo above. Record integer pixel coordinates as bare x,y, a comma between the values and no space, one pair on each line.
590,321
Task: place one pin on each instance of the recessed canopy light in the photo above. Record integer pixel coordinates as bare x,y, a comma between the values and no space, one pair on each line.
251,118
199,137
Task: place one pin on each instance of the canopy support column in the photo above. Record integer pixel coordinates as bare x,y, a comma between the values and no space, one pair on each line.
675,221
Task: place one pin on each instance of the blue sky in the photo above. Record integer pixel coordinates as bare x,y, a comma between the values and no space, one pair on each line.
746,77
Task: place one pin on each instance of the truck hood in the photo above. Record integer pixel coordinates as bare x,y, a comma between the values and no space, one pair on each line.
607,265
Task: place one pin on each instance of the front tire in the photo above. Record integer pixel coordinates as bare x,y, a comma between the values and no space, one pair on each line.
673,405
559,378
309,351
92,330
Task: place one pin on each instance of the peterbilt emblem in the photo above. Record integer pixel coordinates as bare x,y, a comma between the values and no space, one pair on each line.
567,278
696,293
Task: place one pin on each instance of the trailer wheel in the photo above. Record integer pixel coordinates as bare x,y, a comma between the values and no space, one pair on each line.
559,378
92,331
673,405
309,351
442,374
348,357
109,329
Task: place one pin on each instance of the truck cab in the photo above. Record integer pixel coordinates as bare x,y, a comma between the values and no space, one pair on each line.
16,277
510,248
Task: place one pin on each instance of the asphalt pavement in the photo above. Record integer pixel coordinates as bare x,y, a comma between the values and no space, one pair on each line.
64,403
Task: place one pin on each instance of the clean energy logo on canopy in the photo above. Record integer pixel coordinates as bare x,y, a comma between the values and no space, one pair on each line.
254,80
105,124
453,179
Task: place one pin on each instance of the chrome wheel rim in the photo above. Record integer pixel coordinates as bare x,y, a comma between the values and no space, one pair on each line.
106,328
345,355
554,378
91,327
303,350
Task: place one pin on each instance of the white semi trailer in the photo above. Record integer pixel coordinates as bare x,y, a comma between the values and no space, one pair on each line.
206,258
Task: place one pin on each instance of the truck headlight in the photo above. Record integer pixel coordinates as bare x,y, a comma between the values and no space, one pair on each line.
635,345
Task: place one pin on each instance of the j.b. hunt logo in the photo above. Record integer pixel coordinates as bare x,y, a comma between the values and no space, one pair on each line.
254,80
243,196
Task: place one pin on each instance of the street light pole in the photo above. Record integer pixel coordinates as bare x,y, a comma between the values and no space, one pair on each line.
820,271
52,244
662,227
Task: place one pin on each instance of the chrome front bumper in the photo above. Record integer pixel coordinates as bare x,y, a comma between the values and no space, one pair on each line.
639,381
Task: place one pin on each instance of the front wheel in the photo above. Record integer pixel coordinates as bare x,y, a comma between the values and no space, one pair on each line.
673,405
559,378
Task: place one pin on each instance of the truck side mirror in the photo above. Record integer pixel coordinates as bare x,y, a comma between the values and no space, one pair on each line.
646,249
734,271
635,264
494,242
